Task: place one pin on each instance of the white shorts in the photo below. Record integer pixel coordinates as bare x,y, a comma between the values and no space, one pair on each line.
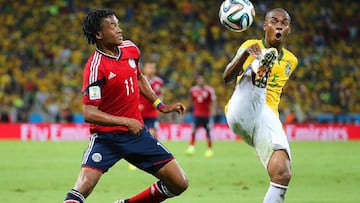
249,117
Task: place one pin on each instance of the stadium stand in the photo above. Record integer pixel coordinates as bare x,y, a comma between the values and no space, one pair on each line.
43,51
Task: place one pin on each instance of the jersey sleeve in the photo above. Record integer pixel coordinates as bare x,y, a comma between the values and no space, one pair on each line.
242,47
93,80
137,59
294,63
245,45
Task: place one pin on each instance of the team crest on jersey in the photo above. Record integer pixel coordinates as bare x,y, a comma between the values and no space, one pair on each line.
96,157
132,63
94,92
287,69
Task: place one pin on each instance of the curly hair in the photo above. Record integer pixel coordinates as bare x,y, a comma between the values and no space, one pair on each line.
91,23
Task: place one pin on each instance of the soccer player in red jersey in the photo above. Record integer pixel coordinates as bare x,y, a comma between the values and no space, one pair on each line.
149,113
112,83
203,100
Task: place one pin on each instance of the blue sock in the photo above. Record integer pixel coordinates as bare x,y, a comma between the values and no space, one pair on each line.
74,196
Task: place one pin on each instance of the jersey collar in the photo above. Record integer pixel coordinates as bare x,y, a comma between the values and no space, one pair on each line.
282,51
110,56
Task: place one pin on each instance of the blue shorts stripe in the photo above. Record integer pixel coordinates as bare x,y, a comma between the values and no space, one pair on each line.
89,148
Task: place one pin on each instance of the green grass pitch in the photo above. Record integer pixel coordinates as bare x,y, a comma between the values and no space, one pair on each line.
323,172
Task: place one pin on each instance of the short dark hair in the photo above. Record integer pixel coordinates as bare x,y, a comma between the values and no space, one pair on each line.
278,10
91,23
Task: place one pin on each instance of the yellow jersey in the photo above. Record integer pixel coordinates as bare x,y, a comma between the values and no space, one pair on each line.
281,71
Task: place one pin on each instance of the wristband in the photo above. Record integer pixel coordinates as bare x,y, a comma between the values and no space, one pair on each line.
158,104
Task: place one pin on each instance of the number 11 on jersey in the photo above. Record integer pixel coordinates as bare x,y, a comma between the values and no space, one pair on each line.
129,85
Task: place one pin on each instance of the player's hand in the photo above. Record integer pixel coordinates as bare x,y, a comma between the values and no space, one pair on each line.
134,126
254,50
177,107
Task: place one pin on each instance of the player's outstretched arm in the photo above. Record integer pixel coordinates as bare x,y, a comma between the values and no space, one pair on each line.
145,89
148,93
176,107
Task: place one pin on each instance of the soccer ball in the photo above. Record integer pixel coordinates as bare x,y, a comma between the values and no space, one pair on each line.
237,15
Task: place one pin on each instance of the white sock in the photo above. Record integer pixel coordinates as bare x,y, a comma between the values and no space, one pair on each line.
275,193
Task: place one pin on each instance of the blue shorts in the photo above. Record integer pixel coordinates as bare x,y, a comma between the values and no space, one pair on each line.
143,151
151,123
201,122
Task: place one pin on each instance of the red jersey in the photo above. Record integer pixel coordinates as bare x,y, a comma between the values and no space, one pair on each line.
202,98
110,82
146,107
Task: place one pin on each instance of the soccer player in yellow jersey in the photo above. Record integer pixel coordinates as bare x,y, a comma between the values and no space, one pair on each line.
261,69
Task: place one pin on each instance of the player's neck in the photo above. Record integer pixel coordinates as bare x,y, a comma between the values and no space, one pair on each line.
268,44
110,50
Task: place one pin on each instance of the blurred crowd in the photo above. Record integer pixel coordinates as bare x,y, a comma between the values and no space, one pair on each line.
43,52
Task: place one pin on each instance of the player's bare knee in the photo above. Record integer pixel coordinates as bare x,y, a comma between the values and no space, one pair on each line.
184,185
279,168
288,176
282,176
180,187
285,176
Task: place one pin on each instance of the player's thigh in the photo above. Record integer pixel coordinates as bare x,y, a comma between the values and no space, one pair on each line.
246,103
198,122
146,152
270,136
242,120
101,153
202,122
279,166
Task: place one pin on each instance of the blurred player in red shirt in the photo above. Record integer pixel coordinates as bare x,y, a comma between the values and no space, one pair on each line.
149,113
203,100
112,83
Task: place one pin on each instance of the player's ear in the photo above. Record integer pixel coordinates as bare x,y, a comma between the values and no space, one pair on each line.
98,35
289,32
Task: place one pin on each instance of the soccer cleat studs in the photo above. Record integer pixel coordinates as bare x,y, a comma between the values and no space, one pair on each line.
266,62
